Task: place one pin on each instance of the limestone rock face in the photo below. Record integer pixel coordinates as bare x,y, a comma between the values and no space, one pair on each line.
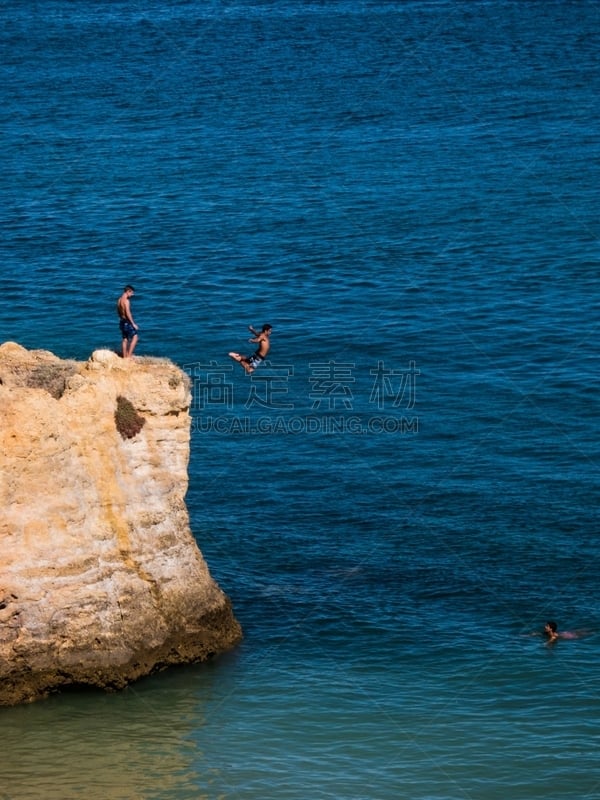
101,580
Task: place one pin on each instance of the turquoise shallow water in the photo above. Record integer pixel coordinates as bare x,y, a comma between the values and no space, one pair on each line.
407,192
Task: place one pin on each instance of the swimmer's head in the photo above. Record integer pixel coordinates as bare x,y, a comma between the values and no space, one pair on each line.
550,626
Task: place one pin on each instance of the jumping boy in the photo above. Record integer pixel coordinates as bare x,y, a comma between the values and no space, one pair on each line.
250,363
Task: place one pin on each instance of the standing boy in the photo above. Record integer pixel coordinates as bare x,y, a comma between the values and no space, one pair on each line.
129,330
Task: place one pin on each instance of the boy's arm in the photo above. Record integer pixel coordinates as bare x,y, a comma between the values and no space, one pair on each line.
251,329
129,314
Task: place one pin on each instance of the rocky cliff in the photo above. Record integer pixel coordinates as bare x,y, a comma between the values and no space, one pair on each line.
101,581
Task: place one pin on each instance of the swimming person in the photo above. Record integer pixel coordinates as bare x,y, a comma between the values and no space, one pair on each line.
129,330
250,363
552,632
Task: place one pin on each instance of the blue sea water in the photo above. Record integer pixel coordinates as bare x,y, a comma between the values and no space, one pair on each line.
407,191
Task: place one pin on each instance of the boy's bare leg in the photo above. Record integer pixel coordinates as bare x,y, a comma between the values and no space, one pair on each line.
242,360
